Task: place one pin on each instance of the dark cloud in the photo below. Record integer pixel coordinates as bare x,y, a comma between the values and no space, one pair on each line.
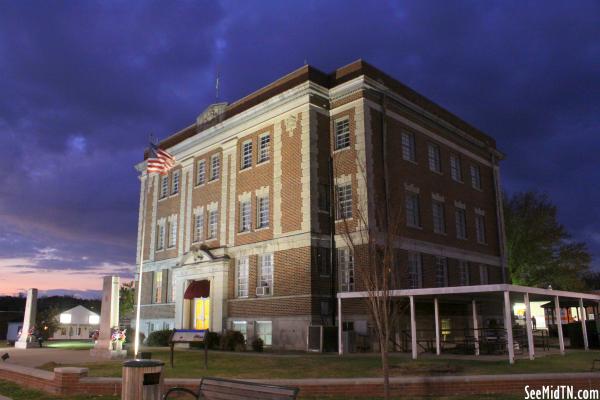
83,84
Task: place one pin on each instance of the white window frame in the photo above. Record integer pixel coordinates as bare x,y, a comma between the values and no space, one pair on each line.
460,218
342,133
415,270
266,271
441,271
413,209
172,233
266,333
213,224
246,156
264,148
480,228
439,217
484,274
262,212
201,172
242,276
160,236
199,226
215,167
455,168
475,176
242,327
408,147
164,186
345,263
343,194
175,182
245,216
435,159
157,287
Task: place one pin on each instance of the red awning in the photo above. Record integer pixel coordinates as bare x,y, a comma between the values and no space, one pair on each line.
197,289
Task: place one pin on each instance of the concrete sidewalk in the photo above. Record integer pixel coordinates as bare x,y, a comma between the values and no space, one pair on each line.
35,357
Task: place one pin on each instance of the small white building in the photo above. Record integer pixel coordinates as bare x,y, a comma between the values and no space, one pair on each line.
76,323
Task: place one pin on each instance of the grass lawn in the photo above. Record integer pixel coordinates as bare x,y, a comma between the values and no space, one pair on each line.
189,364
70,344
16,392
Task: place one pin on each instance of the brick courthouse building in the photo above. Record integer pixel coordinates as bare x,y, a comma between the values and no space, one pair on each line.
238,235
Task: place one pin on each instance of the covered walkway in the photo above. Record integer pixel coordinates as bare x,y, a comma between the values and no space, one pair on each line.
502,294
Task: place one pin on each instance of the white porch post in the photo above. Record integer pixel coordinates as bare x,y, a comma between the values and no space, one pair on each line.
340,344
436,311
508,326
561,340
475,327
529,327
413,328
582,318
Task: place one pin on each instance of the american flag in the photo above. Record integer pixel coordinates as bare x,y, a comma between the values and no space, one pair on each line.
159,161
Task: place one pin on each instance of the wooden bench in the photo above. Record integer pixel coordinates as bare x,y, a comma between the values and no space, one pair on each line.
217,388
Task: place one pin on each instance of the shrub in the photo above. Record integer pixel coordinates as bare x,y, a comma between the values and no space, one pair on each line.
212,339
232,341
159,338
258,345
130,336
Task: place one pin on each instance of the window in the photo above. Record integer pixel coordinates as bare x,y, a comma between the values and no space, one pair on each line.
245,214
199,227
484,277
265,275
463,273
262,212
413,217
201,173
242,327
324,198
160,237
213,216
480,228
264,331
215,167
461,223
408,147
344,201
157,287
246,155
475,177
175,183
441,271
342,134
65,318
173,232
439,220
322,260
415,276
164,186
242,277
435,162
264,148
94,319
455,168
345,263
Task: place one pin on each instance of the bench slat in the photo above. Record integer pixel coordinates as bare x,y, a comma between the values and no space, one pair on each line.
248,386
251,392
222,389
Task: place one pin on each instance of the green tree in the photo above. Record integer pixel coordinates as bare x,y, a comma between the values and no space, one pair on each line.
540,250
126,299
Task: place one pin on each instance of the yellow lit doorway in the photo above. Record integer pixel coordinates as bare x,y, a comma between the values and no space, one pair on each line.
202,313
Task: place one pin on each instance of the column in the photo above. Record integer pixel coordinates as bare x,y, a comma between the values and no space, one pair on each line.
475,327
508,326
29,319
340,344
583,318
561,340
413,328
529,327
436,309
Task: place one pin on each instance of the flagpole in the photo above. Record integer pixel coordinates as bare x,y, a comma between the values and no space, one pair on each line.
136,345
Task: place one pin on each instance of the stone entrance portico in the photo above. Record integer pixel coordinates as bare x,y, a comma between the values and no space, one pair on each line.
199,265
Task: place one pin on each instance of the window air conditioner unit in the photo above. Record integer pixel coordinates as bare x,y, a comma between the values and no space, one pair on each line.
263,290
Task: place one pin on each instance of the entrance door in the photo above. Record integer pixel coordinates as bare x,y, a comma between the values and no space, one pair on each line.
202,313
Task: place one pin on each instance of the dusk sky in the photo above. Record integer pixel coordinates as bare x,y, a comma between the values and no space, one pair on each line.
83,84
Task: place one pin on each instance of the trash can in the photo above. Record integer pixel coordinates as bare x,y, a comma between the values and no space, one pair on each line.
142,380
